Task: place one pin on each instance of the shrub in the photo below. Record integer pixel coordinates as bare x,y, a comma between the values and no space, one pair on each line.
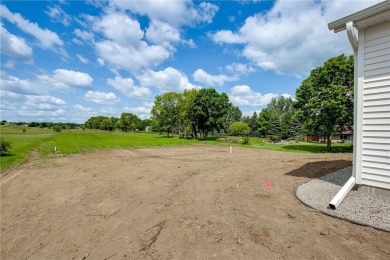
275,138
5,146
57,128
245,140
239,129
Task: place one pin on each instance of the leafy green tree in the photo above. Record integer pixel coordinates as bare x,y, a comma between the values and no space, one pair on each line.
187,114
99,122
234,114
239,129
165,111
210,108
57,128
325,98
127,122
5,146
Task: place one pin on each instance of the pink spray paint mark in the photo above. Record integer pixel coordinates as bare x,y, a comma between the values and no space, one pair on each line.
269,185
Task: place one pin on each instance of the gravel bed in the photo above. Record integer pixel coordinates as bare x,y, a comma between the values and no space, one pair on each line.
359,207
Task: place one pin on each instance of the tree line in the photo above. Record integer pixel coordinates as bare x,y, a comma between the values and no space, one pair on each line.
323,105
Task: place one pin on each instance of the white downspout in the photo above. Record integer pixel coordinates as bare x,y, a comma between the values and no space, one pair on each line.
353,39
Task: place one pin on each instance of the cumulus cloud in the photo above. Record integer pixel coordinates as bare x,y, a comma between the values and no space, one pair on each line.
13,46
58,15
130,58
211,80
127,87
47,39
43,103
123,46
166,80
20,86
64,79
83,108
162,33
82,59
101,97
176,13
243,95
293,37
141,111
240,68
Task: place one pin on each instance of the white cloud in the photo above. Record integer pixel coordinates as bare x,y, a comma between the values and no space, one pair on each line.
57,14
141,111
13,46
162,33
64,79
120,28
101,97
240,68
293,37
73,78
175,13
16,85
100,61
83,108
82,59
47,39
82,37
211,80
43,103
243,95
129,57
123,46
127,87
166,80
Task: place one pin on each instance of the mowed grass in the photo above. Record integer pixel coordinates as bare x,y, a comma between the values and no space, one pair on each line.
22,143
45,141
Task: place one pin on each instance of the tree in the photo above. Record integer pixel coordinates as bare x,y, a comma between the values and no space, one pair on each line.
165,111
234,114
274,128
99,122
210,108
263,121
325,98
128,122
5,146
253,122
239,129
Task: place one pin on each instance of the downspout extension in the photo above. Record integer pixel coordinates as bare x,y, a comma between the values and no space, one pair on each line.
342,193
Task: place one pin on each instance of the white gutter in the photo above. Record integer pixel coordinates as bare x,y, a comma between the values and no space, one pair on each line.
353,39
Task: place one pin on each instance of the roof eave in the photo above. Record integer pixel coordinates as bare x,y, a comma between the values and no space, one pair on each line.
340,24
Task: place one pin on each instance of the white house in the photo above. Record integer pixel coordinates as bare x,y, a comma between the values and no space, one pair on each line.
369,34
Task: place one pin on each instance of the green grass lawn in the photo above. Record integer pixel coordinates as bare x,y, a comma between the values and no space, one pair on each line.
44,142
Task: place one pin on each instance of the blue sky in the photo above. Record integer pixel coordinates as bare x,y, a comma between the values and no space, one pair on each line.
65,61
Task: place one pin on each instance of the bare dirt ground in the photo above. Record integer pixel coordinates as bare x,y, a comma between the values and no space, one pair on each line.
198,202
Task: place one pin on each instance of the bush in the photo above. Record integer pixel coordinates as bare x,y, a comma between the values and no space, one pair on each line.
275,138
239,129
245,140
57,128
5,146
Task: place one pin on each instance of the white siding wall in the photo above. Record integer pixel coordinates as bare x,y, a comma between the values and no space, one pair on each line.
375,155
